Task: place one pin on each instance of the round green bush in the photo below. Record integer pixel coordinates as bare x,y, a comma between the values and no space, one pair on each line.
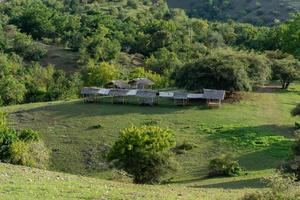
144,153
224,166
29,135
32,154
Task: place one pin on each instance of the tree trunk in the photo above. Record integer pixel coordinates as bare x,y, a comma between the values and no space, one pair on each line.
287,85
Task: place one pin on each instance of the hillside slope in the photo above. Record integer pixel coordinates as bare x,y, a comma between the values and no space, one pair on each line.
26,183
259,12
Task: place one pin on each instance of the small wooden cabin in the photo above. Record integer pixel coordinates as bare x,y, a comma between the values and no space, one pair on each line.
141,83
146,97
180,98
90,93
213,97
117,84
118,95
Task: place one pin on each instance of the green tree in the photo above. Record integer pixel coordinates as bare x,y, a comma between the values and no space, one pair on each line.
99,74
224,69
99,47
159,81
36,19
285,68
143,152
289,35
12,91
162,61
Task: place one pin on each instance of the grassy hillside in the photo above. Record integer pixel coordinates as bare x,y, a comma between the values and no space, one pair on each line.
25,183
259,12
60,57
257,129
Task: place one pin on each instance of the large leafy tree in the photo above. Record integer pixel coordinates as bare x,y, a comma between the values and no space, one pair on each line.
12,89
289,36
99,47
285,68
99,74
224,69
36,19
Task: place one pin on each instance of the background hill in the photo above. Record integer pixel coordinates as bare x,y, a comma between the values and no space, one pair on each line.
258,12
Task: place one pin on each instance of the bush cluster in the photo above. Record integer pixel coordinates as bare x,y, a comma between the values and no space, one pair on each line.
144,153
22,148
183,148
279,188
224,166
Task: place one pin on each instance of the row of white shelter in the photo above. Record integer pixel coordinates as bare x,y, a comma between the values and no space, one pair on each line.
212,97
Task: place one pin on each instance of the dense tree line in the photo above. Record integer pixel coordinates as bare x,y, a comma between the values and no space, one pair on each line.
174,49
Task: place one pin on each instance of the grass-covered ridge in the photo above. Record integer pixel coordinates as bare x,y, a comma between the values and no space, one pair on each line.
258,131
26,183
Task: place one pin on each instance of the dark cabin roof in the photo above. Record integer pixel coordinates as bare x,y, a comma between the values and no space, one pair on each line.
180,95
118,92
117,84
146,94
213,94
141,81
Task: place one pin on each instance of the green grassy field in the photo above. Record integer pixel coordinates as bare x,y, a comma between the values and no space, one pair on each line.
258,131
24,183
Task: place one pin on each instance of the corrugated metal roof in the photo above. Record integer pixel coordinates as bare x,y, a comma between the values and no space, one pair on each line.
104,91
214,94
166,94
90,90
180,95
117,92
145,93
195,96
131,93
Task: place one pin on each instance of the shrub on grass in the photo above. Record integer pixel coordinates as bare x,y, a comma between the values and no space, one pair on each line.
7,137
98,126
280,188
224,166
296,147
24,148
293,167
296,111
183,148
32,154
297,125
144,153
3,121
29,135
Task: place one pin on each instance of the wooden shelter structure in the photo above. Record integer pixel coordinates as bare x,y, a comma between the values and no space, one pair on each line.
141,83
90,93
117,84
214,97
146,97
180,98
118,95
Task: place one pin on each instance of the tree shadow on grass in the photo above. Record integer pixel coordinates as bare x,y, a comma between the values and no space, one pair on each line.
238,184
251,136
276,88
81,109
267,158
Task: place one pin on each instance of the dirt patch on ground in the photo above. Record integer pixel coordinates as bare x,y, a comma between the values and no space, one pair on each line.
268,89
236,97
